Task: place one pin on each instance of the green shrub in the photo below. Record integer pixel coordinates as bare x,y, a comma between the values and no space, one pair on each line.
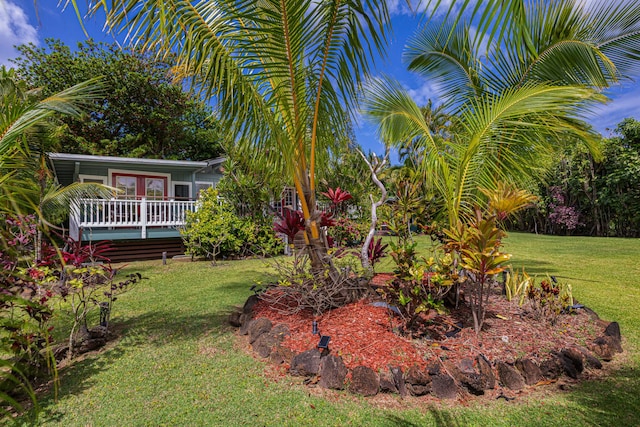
215,230
347,232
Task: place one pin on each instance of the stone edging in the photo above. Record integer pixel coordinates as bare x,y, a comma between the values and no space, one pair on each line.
442,379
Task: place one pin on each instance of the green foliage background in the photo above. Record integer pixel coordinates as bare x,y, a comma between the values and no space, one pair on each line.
143,113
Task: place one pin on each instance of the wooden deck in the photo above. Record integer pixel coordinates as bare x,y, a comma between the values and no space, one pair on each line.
115,219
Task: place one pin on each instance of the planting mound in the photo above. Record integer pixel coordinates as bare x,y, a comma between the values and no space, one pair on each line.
518,349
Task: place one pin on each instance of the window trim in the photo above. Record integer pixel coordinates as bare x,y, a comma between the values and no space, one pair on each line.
187,183
82,177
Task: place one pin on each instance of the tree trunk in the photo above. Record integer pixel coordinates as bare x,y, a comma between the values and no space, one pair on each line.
375,169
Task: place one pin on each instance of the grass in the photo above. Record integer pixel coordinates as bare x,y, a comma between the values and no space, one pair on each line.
178,363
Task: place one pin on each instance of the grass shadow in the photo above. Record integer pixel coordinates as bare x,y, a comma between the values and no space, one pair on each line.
157,328
441,418
612,400
162,327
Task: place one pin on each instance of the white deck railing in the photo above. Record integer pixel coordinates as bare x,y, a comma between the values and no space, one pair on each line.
130,213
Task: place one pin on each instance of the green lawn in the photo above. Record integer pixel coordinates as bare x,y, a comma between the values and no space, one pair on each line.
178,363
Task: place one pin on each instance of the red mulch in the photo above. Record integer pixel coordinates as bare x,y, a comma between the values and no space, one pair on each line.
363,334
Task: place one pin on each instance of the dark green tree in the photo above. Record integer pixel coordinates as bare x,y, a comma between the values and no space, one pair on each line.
145,111
602,197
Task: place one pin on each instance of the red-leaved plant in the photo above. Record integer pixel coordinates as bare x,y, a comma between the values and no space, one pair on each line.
290,223
337,197
376,251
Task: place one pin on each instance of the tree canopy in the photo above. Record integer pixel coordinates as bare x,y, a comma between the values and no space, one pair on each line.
145,112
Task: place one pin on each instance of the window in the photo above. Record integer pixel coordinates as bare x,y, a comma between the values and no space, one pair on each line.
182,191
138,185
92,179
154,188
202,186
126,185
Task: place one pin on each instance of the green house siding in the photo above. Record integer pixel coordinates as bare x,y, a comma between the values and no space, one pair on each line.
94,235
70,167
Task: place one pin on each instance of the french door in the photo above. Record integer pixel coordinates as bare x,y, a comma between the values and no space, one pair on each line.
134,186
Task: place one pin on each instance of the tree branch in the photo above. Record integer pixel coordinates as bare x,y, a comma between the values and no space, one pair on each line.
375,167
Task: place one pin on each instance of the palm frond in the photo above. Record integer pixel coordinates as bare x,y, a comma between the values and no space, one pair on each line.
17,118
446,56
396,115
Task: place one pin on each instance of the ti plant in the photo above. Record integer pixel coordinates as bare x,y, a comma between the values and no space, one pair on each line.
291,223
376,251
477,243
337,198
516,285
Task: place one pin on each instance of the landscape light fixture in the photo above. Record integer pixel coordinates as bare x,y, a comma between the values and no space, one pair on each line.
105,312
314,327
324,342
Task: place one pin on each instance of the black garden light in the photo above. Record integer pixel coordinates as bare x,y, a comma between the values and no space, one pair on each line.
105,312
324,342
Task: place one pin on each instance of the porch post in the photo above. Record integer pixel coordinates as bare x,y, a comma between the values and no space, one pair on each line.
143,217
74,220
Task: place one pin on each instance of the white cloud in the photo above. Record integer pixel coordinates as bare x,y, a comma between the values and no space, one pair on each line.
14,30
422,94
401,7
625,103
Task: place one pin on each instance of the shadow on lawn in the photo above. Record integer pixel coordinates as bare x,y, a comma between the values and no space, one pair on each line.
441,418
162,327
156,328
612,401
533,267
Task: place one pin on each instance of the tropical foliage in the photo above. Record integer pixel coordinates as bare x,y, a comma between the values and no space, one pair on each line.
283,74
587,197
215,231
28,199
518,86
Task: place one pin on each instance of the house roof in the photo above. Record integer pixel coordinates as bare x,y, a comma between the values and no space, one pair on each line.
135,161
65,165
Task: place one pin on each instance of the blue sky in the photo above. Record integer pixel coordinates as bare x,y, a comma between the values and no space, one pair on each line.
20,24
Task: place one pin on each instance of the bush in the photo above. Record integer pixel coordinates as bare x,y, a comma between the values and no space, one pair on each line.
549,299
347,232
418,286
215,230
28,285
25,306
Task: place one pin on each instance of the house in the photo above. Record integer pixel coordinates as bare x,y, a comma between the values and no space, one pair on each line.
145,215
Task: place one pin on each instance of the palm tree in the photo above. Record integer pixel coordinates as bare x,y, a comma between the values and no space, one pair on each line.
284,74
26,185
519,86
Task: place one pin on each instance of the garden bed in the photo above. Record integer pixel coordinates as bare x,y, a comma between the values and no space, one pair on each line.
365,335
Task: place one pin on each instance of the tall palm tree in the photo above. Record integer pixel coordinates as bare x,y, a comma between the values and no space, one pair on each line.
284,74
520,84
